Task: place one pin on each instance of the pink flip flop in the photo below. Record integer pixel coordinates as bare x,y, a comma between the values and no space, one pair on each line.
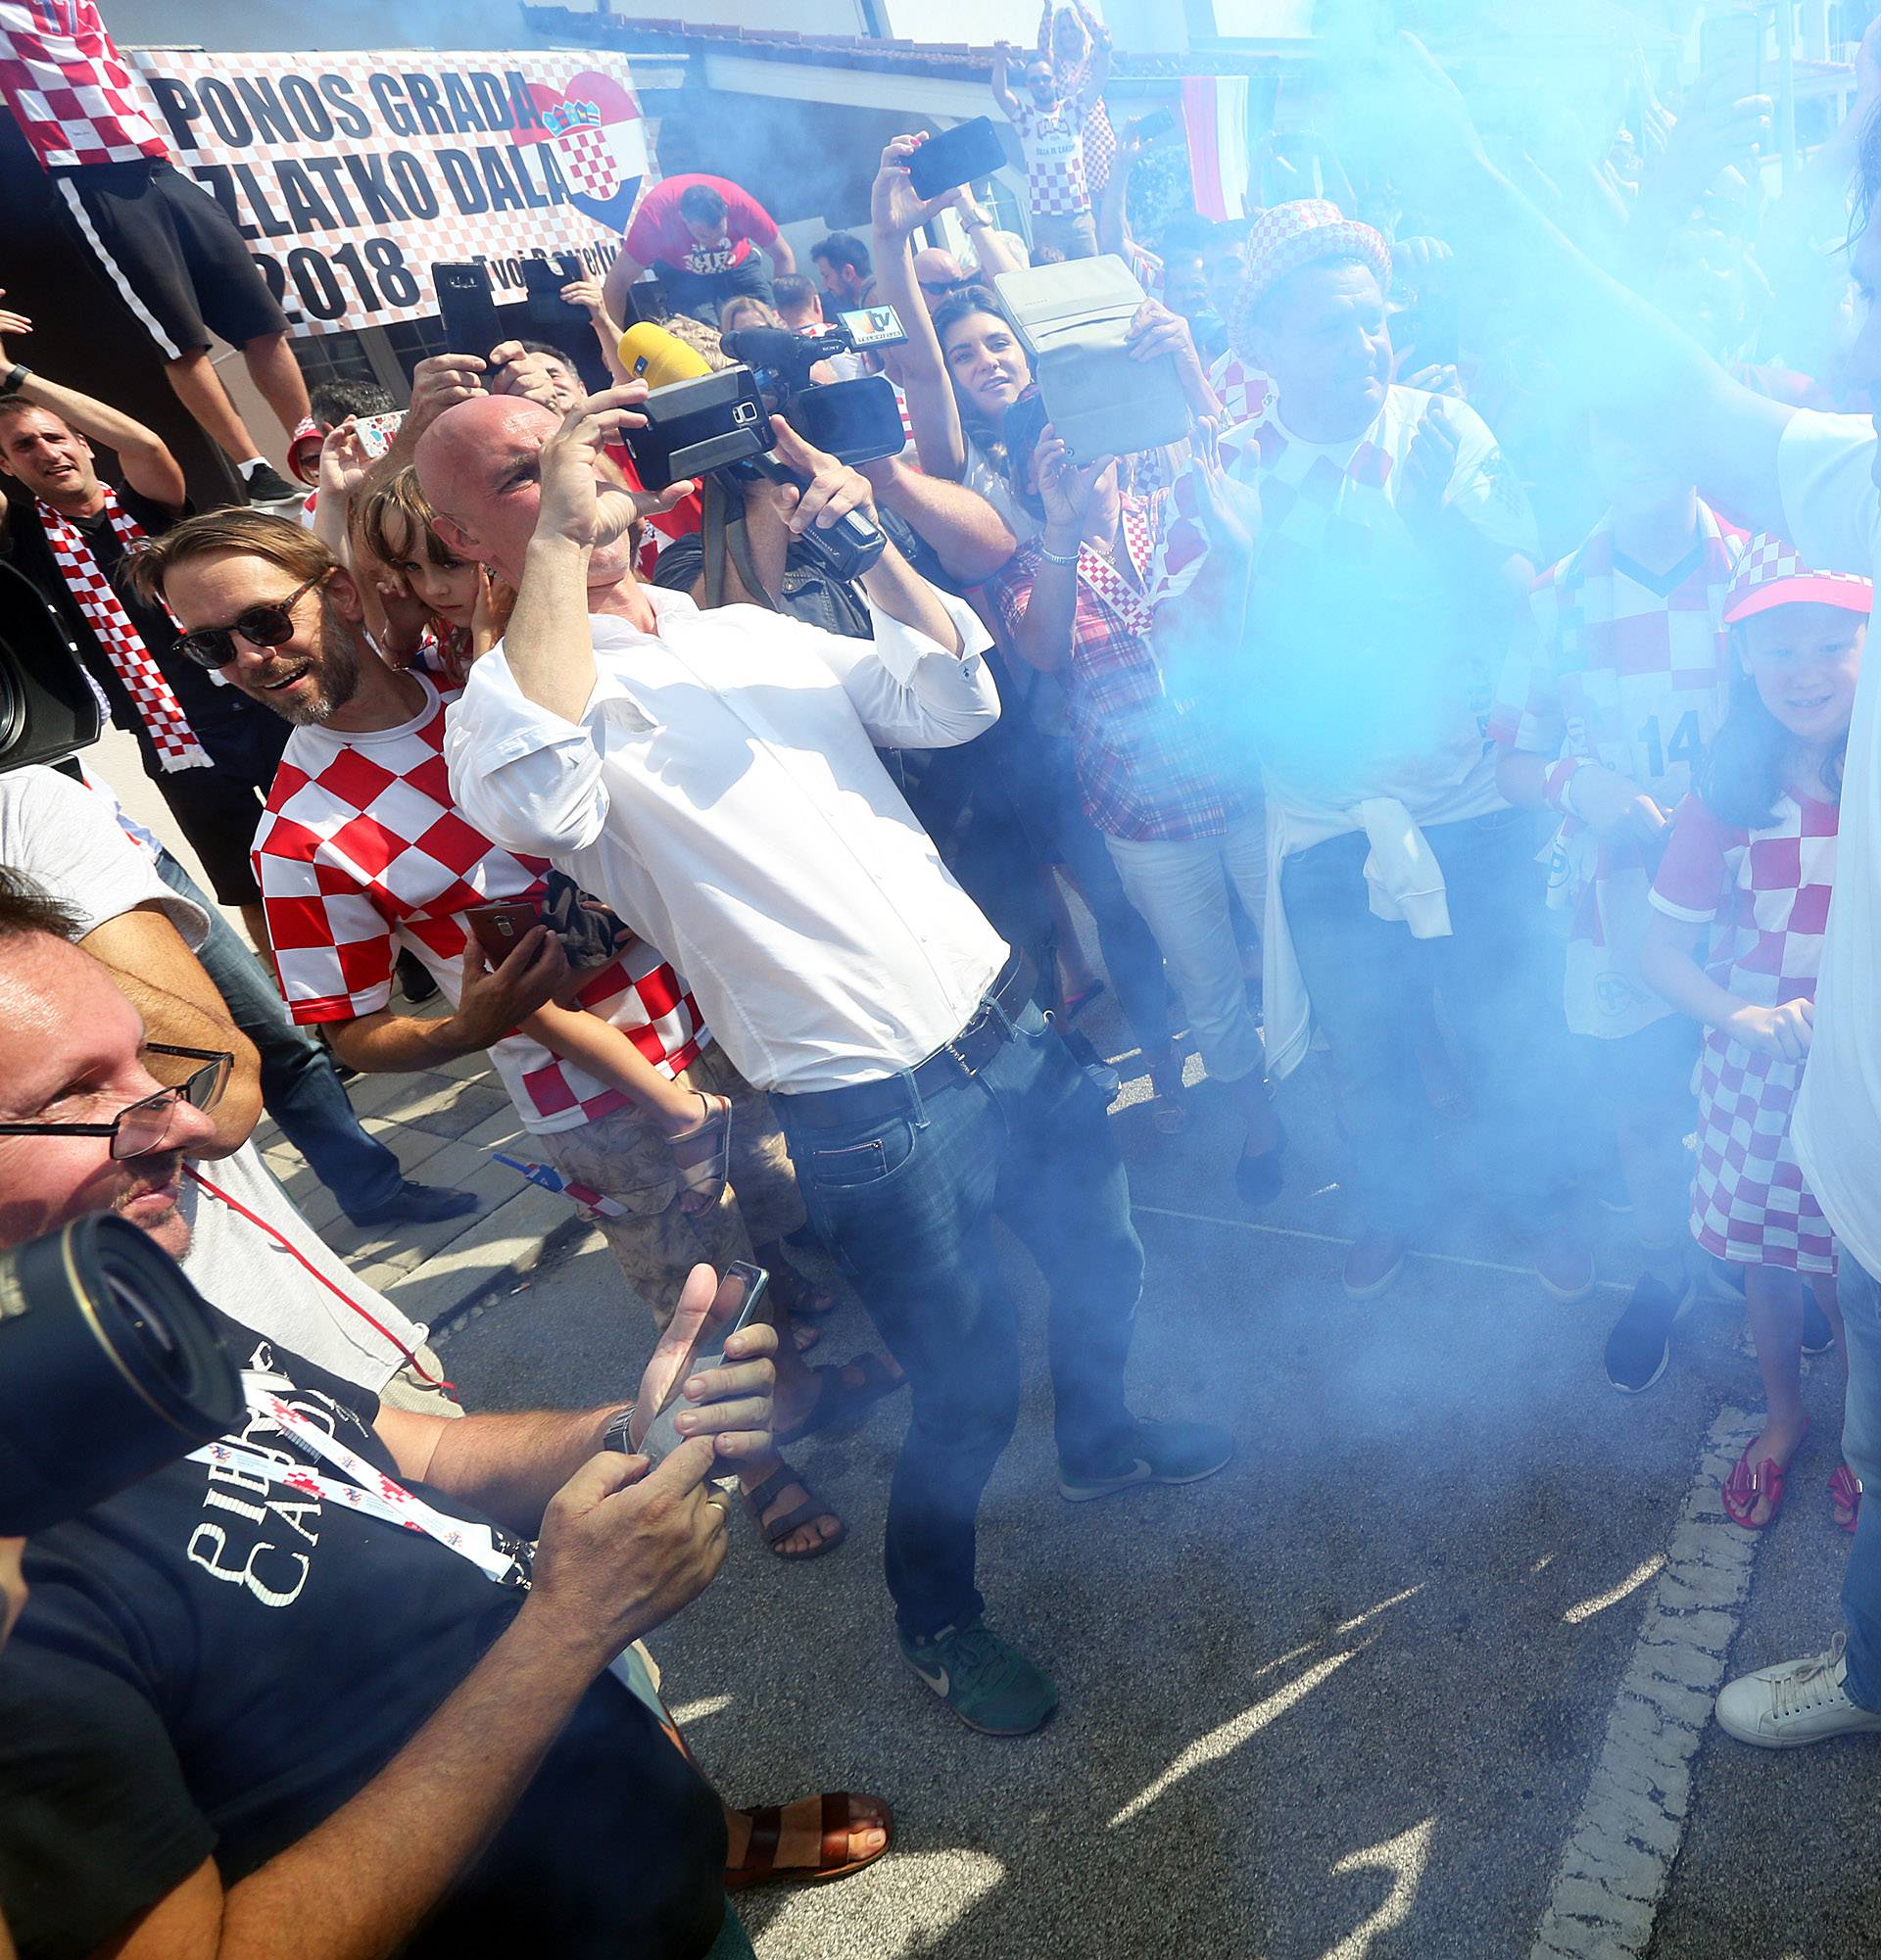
1745,1486
1845,1494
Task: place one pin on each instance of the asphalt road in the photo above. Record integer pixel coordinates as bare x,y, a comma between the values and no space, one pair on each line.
1425,1672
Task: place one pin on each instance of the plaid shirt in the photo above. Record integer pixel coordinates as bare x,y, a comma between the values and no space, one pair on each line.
361,850
1148,763
68,88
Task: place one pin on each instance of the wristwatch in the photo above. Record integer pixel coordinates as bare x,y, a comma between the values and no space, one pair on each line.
615,1436
14,376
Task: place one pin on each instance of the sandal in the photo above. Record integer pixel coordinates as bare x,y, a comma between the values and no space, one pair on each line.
804,1337
759,1501
828,1821
1745,1486
841,1402
703,1156
1845,1494
1072,1005
797,1295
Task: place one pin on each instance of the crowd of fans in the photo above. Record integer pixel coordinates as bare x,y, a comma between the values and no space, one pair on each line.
1470,696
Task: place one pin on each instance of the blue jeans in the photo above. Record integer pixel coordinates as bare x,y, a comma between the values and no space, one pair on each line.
1859,1293
1362,975
905,1206
299,1087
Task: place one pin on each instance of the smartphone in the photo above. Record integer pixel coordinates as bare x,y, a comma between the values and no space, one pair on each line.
1154,126
498,928
1731,55
956,157
466,308
543,280
736,1305
376,432
694,426
872,326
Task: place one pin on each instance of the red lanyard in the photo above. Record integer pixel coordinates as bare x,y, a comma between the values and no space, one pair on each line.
339,1293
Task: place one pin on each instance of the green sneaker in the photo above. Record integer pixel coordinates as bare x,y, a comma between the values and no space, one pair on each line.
1159,1453
991,1685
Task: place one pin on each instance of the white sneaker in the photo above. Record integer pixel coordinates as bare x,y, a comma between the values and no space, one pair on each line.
1793,1702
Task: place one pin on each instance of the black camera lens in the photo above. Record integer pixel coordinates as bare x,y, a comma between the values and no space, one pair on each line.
111,1366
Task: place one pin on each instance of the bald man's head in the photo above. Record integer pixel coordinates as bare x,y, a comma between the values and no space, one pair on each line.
940,274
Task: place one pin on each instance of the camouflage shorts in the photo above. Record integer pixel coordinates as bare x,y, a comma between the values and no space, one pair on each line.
624,1157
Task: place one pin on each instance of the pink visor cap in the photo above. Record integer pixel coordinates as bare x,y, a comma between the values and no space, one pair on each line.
1770,573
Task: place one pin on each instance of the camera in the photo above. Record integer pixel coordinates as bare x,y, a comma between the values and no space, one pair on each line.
856,421
111,1366
47,707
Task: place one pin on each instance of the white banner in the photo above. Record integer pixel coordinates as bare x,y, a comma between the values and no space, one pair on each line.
351,173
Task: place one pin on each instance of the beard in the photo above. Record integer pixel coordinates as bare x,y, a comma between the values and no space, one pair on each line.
335,673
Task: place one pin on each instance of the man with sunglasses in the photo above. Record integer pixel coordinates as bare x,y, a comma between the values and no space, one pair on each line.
68,532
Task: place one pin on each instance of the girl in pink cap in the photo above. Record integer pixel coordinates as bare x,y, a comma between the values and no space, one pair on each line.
1752,858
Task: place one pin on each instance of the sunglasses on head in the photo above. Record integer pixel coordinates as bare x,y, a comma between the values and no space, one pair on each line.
270,624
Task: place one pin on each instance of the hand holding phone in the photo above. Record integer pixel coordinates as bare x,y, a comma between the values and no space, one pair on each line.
735,1305
466,308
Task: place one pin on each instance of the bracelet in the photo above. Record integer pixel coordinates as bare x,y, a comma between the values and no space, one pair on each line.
1058,557
14,375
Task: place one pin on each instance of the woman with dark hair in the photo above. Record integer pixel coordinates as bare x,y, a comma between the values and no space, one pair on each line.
1752,858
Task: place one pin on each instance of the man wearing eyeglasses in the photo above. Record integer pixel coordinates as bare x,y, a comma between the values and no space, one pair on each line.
210,754
272,1698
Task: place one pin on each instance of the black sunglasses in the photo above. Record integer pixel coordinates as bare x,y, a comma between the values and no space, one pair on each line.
267,625
940,289
141,1127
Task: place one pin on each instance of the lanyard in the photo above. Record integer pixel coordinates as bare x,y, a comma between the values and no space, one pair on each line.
367,1489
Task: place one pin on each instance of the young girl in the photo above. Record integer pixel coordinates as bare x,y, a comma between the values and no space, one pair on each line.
455,610
1752,857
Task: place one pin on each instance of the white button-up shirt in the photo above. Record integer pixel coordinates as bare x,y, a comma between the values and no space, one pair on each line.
721,791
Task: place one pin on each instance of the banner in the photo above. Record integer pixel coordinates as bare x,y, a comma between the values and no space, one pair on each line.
351,173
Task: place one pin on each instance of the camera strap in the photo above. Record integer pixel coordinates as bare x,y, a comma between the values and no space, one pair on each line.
725,532
362,1488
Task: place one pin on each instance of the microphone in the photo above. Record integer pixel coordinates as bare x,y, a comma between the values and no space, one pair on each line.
652,355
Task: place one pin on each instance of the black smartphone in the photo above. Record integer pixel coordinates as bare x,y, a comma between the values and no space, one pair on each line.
699,425
543,280
956,157
466,308
736,1305
872,326
1154,126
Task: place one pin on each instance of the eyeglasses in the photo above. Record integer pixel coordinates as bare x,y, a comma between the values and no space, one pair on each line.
141,1127
940,289
267,625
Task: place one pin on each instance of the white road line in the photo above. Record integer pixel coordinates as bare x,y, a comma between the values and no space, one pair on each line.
1613,1873
1329,1238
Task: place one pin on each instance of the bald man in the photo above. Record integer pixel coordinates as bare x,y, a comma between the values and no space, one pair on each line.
713,777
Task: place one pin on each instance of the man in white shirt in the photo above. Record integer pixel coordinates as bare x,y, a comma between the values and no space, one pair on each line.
1810,479
712,776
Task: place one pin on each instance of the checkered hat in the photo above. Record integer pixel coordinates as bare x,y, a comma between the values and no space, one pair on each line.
1770,573
1302,234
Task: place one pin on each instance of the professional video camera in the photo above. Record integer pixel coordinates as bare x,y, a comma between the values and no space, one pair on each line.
111,1366
47,707
701,422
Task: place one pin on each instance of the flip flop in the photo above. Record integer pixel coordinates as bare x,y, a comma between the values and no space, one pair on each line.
1745,1486
798,1295
759,1501
826,1821
841,1404
1845,1494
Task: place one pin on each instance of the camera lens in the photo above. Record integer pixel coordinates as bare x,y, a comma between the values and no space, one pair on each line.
13,701
110,1365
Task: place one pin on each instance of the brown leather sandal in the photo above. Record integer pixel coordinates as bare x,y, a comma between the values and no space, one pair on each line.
829,1820
759,1501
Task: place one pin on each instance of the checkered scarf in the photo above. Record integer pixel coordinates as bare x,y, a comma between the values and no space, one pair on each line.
170,734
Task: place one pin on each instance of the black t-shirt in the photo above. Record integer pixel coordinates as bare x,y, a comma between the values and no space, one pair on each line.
204,1668
239,735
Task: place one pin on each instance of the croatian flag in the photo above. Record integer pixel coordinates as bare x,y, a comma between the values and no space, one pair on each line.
1215,119
601,144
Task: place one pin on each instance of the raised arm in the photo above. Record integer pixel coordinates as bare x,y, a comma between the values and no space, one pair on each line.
1651,378
142,454
991,248
895,210
1001,85
620,275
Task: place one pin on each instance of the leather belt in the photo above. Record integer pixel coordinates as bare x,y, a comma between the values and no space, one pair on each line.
952,1063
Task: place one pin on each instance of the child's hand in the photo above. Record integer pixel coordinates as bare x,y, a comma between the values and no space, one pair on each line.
1610,803
1783,1031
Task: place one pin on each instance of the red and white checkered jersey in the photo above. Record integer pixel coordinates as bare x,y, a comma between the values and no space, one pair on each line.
1767,891
361,851
1053,140
68,89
